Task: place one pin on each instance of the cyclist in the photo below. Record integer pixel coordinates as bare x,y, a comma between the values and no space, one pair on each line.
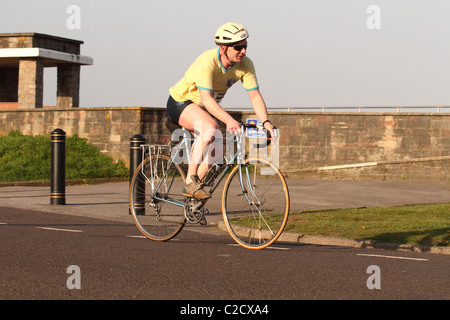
194,101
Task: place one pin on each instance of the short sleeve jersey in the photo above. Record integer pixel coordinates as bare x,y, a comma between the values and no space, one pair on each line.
208,73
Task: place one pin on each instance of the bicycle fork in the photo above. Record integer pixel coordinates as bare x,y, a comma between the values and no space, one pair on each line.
253,203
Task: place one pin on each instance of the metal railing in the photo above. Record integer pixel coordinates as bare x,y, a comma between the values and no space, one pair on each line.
398,109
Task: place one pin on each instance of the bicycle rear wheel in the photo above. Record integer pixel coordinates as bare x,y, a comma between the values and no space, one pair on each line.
256,214
158,214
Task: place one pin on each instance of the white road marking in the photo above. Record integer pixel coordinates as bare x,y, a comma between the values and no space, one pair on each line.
269,247
390,257
144,237
56,229
141,237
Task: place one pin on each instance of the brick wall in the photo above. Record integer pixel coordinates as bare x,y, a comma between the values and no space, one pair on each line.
313,145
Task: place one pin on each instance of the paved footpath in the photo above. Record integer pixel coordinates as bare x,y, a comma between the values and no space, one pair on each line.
110,201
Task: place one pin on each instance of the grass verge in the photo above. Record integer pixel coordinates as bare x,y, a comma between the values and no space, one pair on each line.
417,224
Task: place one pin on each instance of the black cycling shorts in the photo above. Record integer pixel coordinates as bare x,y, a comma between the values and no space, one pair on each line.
175,108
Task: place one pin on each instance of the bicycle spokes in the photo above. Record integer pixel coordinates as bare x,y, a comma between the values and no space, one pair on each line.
158,210
255,218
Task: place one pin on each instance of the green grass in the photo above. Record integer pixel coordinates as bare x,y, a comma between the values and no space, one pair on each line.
419,224
28,158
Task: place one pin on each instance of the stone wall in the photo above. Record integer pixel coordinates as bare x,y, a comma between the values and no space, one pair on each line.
337,138
31,83
314,145
106,128
366,145
39,40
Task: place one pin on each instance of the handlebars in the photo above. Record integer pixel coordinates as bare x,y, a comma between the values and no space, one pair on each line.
268,138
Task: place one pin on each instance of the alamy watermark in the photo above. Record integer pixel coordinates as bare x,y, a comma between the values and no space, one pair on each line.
373,22
74,280
222,149
73,21
374,280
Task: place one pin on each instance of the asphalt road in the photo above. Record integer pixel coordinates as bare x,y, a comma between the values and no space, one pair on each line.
115,262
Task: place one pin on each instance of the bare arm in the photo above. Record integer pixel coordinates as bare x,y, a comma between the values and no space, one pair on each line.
217,111
260,109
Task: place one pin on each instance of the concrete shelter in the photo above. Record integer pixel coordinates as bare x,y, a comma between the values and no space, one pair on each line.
23,57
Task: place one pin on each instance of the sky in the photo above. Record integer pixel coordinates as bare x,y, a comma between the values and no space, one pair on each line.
315,53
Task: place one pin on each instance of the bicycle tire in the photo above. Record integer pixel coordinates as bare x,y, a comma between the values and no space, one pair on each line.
157,219
258,224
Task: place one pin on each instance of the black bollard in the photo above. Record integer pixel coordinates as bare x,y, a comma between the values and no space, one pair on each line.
135,160
58,168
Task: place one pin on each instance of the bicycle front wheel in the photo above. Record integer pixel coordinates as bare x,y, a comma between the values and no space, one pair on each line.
158,210
255,205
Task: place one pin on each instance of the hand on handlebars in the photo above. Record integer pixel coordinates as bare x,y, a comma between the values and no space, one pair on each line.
273,134
234,126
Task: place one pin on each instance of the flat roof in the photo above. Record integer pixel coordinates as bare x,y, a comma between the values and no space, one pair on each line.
52,49
10,57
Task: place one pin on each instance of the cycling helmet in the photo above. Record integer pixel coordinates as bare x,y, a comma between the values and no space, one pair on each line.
230,33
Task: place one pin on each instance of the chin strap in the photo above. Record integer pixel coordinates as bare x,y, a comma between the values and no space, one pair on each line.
226,56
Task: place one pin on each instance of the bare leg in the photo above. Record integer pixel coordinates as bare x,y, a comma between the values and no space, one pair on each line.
205,128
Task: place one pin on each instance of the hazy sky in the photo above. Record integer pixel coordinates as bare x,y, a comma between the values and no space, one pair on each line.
307,53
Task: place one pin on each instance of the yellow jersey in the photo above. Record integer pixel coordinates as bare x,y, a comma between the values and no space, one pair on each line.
208,73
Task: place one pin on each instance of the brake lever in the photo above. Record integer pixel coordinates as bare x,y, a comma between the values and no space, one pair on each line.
260,128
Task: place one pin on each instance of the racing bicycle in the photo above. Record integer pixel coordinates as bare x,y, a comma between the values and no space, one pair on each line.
255,198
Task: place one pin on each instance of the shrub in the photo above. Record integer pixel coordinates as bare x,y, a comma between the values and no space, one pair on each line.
28,158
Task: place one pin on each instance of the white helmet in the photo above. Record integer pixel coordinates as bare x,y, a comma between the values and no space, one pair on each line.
230,33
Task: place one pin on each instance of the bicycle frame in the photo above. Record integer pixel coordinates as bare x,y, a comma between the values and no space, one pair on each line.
239,156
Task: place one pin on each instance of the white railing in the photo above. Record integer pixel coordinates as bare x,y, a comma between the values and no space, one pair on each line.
430,109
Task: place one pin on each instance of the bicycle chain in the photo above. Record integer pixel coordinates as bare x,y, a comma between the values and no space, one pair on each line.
194,211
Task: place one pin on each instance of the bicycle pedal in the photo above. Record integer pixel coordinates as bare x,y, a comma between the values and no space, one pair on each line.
203,222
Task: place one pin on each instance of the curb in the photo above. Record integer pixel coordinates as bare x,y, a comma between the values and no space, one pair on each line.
353,243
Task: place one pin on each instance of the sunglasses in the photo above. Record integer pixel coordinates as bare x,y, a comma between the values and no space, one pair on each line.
239,48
